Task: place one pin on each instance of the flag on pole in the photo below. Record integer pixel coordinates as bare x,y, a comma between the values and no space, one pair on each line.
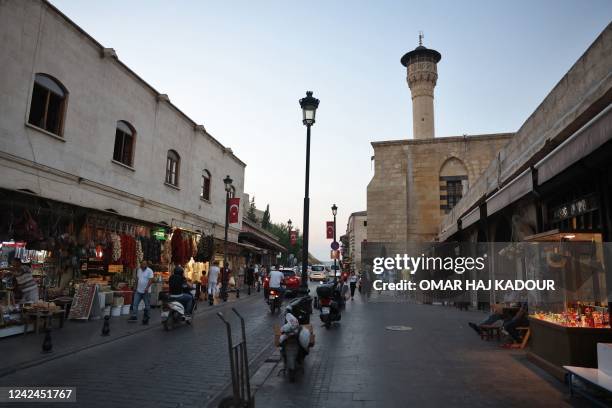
293,237
234,210
330,230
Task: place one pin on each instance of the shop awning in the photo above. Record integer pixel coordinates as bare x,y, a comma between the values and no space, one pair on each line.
452,229
582,143
471,218
510,193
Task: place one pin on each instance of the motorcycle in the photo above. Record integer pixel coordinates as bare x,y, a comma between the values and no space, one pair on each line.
275,300
296,335
329,305
173,311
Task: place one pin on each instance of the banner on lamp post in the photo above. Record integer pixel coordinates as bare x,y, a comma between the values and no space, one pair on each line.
234,210
330,230
293,237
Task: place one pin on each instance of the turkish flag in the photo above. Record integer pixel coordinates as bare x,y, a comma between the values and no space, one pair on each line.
234,210
330,230
293,237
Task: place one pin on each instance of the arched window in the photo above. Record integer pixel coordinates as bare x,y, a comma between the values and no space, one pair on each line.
453,183
205,191
172,168
124,143
48,105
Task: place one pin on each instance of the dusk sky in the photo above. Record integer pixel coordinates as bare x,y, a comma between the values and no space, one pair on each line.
240,67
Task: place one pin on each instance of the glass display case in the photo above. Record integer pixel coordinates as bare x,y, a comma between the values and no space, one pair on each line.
567,323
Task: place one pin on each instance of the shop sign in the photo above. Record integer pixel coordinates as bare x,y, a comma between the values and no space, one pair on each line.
115,268
575,208
160,234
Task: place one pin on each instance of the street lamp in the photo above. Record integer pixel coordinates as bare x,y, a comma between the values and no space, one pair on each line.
334,212
309,106
289,224
228,189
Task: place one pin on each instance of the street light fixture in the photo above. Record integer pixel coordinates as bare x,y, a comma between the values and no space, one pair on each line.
309,106
228,189
334,212
289,224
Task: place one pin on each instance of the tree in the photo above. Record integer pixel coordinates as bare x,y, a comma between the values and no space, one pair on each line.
251,213
265,221
281,231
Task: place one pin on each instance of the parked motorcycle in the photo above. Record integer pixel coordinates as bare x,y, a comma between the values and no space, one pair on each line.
275,300
173,311
328,303
296,336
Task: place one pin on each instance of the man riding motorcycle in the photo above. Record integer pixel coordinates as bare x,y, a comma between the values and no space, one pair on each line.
276,280
179,288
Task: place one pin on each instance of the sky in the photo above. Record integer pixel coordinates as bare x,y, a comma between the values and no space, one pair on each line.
240,67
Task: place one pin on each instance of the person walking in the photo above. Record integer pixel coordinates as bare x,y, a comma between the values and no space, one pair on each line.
250,277
213,275
353,283
144,280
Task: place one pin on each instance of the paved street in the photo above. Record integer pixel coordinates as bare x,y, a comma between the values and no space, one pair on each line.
438,362
153,368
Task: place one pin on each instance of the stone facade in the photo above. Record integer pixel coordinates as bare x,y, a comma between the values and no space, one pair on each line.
77,167
356,231
404,196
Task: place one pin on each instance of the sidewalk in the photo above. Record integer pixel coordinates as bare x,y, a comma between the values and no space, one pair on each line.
22,351
437,361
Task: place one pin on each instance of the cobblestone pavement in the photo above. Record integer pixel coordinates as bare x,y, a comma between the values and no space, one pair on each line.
437,362
153,368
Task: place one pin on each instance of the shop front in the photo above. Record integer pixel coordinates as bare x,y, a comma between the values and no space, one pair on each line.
82,261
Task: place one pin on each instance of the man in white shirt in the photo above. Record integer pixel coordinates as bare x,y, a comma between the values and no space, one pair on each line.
213,275
144,280
276,279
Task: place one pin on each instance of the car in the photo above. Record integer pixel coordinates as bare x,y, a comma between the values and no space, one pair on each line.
292,281
331,271
318,273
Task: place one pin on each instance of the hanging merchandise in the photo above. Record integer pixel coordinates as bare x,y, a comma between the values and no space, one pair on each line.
116,243
139,252
179,252
128,251
166,255
205,249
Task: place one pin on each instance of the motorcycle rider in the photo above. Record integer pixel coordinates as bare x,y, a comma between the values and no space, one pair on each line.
178,287
276,280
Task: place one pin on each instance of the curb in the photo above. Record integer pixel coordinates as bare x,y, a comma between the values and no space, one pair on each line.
33,363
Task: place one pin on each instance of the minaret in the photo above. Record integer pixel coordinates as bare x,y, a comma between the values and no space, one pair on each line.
422,77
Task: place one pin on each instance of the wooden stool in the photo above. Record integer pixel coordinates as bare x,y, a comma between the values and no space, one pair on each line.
526,333
487,332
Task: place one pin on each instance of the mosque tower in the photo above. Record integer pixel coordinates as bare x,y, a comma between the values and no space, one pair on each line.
422,76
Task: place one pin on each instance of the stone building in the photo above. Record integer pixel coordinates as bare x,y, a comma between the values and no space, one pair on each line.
356,236
78,126
416,182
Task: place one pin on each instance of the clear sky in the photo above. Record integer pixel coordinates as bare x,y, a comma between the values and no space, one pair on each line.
240,67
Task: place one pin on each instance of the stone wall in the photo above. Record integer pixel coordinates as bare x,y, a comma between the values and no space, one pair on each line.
78,167
404,194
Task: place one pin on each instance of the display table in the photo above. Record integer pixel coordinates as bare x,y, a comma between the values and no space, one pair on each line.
43,316
554,346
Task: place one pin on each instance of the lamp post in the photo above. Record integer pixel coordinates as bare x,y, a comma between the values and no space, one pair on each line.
228,189
334,212
289,224
309,106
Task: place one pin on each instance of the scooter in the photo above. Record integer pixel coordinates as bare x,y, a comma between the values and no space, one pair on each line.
295,338
173,311
330,309
275,300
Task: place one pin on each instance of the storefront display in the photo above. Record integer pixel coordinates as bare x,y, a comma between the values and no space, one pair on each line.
567,323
